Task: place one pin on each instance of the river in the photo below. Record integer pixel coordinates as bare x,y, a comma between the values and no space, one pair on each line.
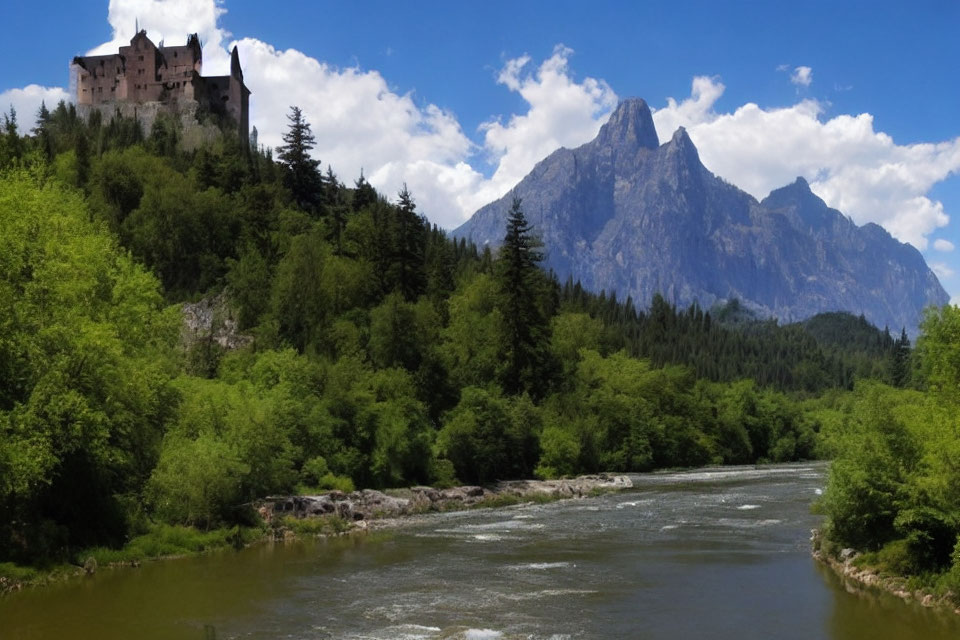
718,554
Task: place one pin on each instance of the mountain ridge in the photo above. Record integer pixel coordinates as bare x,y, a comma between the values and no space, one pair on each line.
620,213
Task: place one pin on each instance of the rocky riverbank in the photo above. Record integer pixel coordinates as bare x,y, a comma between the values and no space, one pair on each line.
369,504
332,513
858,577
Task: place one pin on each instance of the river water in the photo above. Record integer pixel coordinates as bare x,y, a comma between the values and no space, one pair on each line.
706,554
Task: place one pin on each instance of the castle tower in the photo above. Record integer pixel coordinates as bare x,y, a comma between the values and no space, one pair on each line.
142,79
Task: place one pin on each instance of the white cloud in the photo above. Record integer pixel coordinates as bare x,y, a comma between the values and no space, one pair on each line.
942,269
562,113
171,21
860,171
359,123
943,245
26,102
802,76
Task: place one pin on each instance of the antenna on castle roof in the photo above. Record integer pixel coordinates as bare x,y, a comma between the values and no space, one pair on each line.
136,29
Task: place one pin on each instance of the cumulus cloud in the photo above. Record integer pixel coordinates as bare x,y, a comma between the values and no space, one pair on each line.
26,102
170,21
562,113
360,123
853,167
943,245
802,76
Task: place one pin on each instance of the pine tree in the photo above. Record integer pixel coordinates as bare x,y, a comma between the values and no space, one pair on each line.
82,150
335,208
303,174
900,369
410,248
42,131
526,341
11,147
364,194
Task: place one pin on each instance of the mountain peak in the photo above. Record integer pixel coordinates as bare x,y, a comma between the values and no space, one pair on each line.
630,124
682,146
681,137
794,194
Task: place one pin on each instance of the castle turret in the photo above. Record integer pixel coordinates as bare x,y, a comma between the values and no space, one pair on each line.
235,69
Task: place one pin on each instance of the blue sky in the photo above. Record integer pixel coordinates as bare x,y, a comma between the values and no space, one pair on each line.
460,99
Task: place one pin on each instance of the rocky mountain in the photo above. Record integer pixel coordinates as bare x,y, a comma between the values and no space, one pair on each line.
624,213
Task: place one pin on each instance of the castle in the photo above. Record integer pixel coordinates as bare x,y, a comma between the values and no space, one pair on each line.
144,79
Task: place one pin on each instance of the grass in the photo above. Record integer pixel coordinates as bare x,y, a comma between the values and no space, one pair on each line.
316,526
14,576
164,540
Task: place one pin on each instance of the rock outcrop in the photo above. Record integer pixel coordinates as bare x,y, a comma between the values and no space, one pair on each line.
370,504
625,214
212,319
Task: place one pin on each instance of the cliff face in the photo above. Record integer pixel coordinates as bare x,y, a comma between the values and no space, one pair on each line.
625,214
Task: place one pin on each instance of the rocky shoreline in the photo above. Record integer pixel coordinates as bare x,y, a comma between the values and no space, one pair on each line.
338,513
360,507
856,577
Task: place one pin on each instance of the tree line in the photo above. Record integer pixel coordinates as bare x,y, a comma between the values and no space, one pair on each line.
382,353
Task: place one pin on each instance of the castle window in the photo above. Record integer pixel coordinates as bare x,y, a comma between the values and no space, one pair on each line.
141,58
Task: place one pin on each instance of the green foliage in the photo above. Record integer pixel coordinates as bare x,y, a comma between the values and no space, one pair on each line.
524,357
488,437
894,486
168,540
381,352
84,370
302,174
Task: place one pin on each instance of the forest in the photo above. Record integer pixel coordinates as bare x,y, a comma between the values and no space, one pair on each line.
377,351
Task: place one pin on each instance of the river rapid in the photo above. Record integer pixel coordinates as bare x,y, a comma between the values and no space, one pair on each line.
720,553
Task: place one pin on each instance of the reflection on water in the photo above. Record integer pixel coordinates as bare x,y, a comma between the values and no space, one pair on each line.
705,554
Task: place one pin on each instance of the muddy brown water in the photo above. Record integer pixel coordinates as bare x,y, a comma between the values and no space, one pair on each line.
714,554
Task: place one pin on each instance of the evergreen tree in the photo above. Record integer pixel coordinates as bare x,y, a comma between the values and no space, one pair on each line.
900,370
526,337
336,210
42,131
83,159
11,147
410,247
364,194
303,174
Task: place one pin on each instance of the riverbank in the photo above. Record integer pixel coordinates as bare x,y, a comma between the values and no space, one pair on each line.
284,518
850,565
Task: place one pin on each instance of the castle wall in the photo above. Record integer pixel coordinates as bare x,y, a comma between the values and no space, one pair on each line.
100,79
143,79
